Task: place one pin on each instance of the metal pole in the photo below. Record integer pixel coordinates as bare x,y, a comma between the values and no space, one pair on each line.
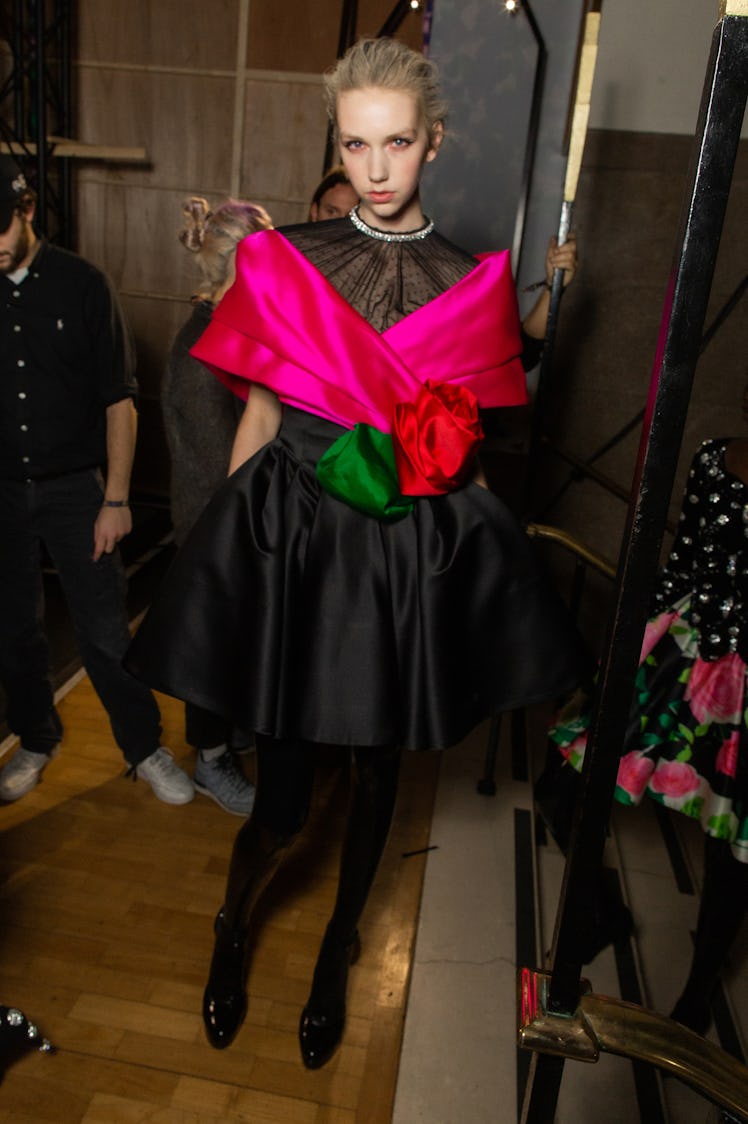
582,99
395,18
66,121
18,79
531,143
40,124
346,36
687,294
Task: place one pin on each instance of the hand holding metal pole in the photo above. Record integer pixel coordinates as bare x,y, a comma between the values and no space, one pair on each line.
580,118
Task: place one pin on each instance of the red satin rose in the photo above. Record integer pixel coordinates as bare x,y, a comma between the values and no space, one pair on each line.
435,439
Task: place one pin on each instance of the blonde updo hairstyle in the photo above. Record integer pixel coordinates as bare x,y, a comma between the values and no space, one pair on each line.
213,236
390,65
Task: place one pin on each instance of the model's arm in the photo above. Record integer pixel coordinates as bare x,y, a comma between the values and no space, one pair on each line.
259,424
558,257
113,523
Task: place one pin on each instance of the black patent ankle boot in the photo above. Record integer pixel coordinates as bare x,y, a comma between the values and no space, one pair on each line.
225,998
323,1019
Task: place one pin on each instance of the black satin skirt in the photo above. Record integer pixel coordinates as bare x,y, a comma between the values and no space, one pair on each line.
293,615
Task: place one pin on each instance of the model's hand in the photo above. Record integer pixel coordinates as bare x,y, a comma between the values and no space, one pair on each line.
112,524
562,257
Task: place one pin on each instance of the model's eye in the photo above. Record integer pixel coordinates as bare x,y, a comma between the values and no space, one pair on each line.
401,142
353,145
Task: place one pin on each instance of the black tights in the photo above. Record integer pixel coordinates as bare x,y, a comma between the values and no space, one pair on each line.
285,776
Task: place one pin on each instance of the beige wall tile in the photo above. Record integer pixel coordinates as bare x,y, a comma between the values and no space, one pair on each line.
285,213
284,140
133,233
373,13
165,33
293,36
184,121
298,36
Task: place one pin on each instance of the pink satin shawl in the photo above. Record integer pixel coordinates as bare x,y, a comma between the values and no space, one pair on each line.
283,325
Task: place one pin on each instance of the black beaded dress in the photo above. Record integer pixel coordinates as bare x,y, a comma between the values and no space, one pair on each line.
687,740
299,617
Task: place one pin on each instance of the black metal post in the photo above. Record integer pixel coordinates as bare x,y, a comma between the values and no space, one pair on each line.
348,19
581,472
346,36
717,136
531,142
19,88
66,121
546,367
39,89
37,38
395,18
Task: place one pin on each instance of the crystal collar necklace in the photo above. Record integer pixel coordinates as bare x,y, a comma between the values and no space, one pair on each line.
384,236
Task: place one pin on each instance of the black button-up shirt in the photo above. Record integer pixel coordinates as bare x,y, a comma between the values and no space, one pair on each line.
65,356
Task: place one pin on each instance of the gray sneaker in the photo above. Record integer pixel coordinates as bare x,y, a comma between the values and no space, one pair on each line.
23,772
168,782
224,782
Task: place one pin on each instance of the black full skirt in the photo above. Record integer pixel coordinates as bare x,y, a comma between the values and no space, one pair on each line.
293,615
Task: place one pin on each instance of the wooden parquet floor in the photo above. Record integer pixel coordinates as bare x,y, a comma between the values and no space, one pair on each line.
108,898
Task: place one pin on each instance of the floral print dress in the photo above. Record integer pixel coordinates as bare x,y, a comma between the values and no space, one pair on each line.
687,740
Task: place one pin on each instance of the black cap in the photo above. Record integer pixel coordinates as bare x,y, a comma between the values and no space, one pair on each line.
12,186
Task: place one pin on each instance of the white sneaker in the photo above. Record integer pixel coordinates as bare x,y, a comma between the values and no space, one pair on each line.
168,782
23,772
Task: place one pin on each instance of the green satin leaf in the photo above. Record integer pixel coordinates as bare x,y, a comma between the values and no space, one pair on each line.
359,469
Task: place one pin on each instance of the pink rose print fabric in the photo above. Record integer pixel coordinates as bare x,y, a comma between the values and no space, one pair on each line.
687,741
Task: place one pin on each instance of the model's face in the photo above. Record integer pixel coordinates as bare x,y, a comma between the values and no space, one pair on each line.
335,203
16,244
384,145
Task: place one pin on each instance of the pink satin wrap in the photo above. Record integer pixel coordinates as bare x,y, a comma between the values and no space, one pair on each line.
283,325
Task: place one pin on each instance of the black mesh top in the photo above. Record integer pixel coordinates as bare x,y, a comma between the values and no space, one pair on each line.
383,281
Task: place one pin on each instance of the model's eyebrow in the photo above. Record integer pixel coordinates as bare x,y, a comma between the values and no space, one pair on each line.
408,133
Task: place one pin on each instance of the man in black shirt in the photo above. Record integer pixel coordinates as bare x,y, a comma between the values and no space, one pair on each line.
66,410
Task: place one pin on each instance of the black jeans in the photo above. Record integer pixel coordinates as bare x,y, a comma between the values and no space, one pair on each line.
61,513
203,729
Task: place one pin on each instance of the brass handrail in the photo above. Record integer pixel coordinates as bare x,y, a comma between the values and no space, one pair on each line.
573,545
602,1024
